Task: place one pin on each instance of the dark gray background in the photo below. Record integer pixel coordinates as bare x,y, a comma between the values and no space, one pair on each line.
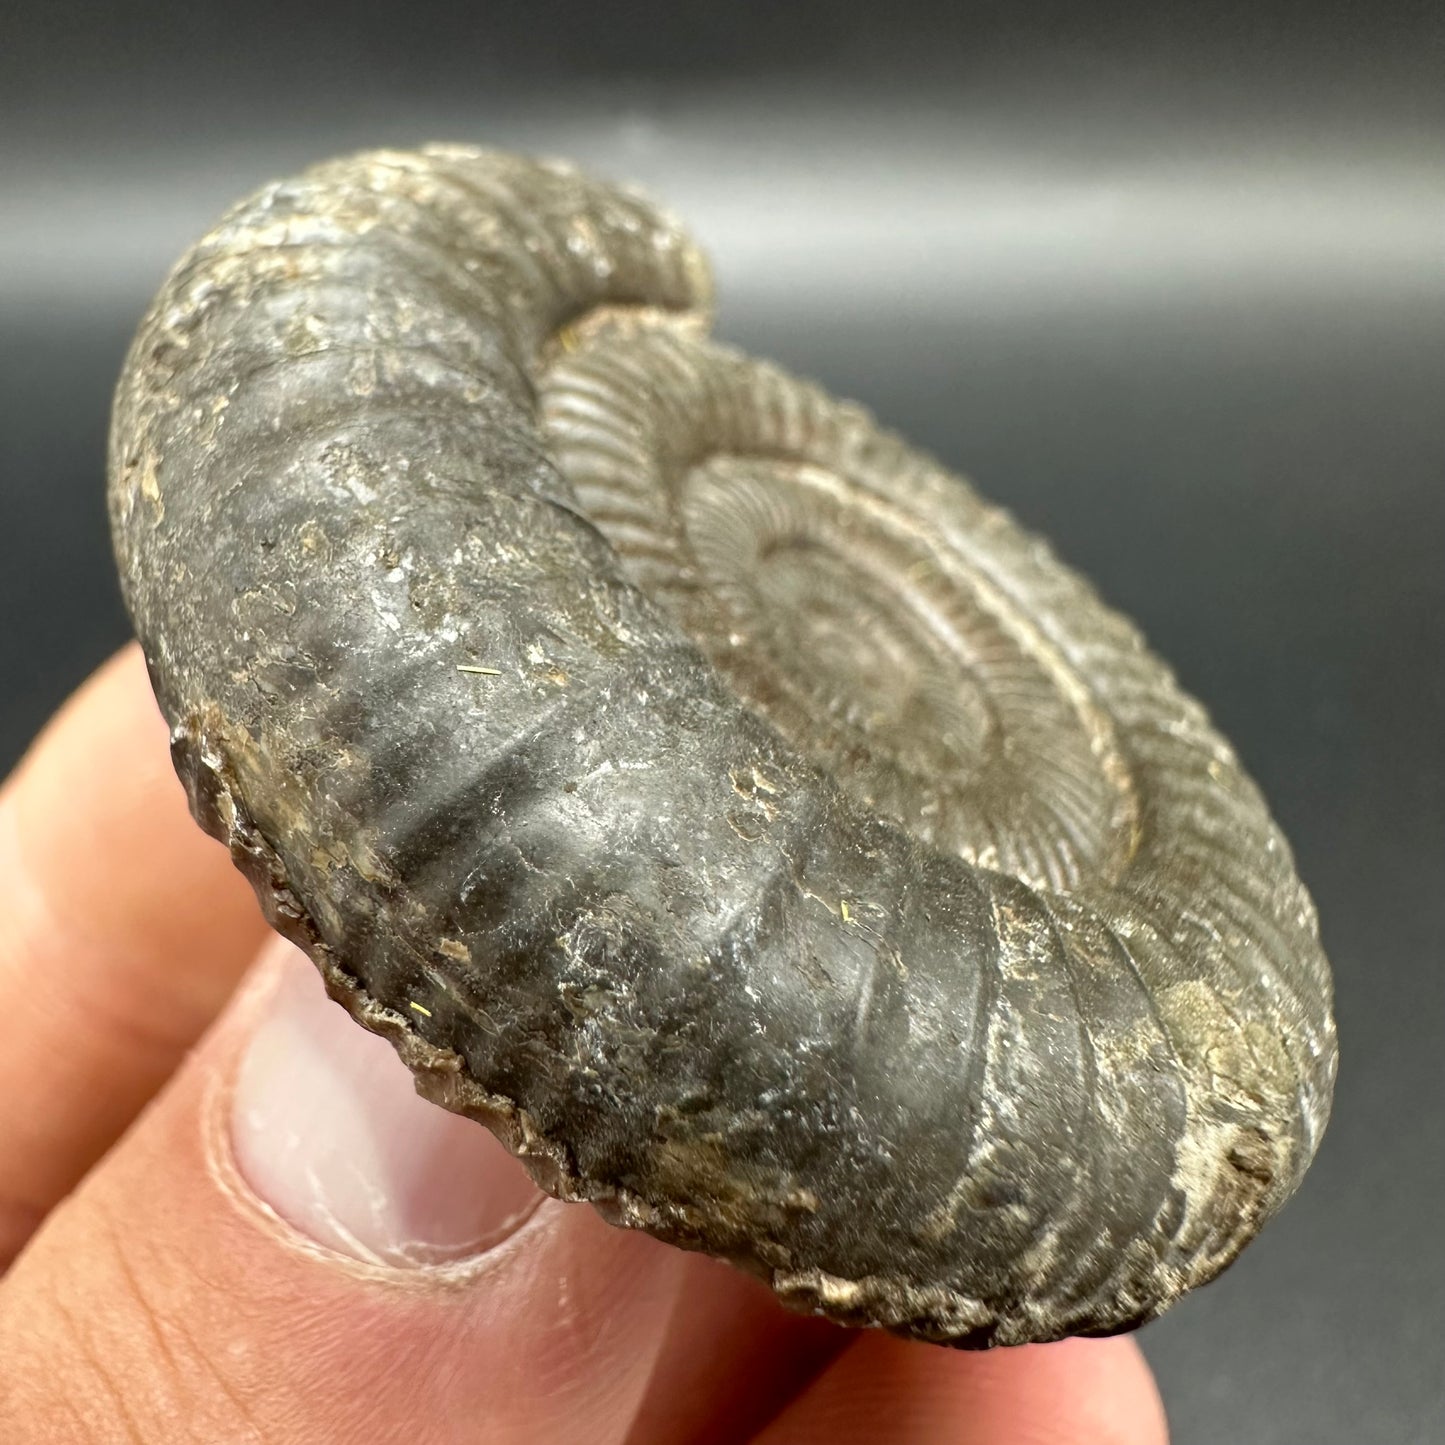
1168,282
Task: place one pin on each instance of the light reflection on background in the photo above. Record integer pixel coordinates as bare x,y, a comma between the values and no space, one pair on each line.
884,204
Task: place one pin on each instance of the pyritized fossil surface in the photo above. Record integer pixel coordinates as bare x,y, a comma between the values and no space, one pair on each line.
766,837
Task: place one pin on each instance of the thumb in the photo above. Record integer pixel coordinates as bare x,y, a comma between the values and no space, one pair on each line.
290,1246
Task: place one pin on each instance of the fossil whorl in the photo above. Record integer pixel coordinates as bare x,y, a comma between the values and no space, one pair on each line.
772,842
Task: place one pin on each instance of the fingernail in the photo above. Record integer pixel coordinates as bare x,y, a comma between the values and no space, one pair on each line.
328,1130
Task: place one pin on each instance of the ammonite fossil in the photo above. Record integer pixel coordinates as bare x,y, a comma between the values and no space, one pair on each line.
771,841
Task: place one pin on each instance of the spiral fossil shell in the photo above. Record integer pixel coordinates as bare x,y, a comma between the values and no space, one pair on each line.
771,841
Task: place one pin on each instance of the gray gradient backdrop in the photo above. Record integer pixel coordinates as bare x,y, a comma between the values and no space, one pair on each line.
1168,283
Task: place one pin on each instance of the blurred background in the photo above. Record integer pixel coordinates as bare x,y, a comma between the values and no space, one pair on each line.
1167,281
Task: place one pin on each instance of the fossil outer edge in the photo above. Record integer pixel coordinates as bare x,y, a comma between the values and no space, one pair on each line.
435,510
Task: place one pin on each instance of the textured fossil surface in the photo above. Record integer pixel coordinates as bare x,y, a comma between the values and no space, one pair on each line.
766,837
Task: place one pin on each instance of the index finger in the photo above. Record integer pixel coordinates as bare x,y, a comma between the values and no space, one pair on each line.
123,929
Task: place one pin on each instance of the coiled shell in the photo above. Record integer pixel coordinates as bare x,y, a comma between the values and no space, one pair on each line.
774,844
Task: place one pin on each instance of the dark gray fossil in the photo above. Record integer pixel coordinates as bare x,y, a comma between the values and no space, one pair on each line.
767,838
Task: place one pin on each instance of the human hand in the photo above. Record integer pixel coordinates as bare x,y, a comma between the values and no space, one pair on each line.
232,1220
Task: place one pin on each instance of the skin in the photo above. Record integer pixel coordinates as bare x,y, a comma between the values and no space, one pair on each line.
151,1297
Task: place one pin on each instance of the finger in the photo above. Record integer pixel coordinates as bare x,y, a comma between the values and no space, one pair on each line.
718,1325
122,930
1099,1391
731,1358
290,1246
